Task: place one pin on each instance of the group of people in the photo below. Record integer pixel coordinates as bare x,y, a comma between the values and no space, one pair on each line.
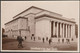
33,38
50,40
20,40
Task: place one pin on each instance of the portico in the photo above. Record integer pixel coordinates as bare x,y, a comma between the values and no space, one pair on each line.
61,30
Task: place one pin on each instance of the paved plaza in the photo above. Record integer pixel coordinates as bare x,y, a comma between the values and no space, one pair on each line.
39,46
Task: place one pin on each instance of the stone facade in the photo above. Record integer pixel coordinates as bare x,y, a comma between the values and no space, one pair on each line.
38,23
12,28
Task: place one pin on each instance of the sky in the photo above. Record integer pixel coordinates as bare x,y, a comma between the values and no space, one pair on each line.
69,9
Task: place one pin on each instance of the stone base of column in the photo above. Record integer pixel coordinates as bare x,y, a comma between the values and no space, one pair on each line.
63,40
59,40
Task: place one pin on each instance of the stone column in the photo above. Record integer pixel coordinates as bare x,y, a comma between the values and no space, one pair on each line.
63,30
60,29
70,31
74,35
53,28
57,28
73,31
66,30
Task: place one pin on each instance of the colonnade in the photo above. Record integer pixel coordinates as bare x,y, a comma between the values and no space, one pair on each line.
61,30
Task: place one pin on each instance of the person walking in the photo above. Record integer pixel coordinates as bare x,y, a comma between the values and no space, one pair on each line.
19,39
46,38
50,41
62,40
25,37
43,40
34,38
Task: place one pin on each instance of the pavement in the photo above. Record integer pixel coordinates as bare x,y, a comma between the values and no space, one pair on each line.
39,46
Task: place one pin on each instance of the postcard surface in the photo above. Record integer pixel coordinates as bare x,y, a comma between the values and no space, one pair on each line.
40,26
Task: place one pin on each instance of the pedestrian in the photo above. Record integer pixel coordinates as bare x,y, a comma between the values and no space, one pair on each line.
19,39
34,38
46,38
25,37
50,41
31,37
43,40
63,40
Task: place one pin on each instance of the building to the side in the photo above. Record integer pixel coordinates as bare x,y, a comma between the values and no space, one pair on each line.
36,23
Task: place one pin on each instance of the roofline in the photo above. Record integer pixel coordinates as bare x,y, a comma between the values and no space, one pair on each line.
45,15
23,11
37,8
15,19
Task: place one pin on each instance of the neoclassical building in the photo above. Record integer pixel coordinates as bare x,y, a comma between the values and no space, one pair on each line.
36,23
